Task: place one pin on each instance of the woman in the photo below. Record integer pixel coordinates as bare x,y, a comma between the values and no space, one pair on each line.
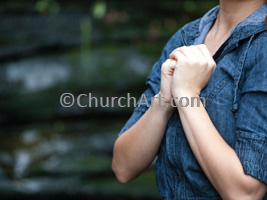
214,152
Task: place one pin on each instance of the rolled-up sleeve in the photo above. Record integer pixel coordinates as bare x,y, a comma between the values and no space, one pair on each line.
251,138
251,127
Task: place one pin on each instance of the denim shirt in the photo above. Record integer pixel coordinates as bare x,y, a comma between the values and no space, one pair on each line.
236,101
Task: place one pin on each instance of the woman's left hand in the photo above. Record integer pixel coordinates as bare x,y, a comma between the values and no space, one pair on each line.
193,71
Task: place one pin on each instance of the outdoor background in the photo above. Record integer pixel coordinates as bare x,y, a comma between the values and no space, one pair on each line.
50,47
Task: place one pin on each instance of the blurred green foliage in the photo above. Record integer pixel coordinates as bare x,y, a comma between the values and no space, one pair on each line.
99,9
47,6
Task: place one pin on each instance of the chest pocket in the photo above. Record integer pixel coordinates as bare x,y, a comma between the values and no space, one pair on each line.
229,70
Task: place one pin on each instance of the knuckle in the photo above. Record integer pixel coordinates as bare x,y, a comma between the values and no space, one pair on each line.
176,53
190,46
203,46
203,62
187,62
182,48
175,50
199,46
212,63
195,62
163,66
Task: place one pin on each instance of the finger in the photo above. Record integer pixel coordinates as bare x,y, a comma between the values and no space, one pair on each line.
197,53
204,50
179,56
170,63
168,66
206,53
200,58
192,54
175,50
188,52
180,52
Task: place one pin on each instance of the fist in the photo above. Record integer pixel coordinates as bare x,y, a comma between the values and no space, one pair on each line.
193,70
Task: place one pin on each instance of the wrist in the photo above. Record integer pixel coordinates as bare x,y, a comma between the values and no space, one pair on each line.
161,106
186,98
179,93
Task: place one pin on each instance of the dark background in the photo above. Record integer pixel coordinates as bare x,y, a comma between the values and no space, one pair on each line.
50,47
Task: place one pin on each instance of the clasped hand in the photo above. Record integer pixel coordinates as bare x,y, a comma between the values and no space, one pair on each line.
186,72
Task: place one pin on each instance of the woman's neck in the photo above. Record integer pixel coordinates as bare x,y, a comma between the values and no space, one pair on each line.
232,12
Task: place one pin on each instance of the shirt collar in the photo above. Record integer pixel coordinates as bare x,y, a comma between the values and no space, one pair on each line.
253,24
208,18
256,18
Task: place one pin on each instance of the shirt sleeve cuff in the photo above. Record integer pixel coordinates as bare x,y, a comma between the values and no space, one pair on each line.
252,152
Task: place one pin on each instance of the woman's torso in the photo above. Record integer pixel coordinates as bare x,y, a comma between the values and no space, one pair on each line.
178,173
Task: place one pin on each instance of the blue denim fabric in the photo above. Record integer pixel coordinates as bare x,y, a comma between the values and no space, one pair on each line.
236,101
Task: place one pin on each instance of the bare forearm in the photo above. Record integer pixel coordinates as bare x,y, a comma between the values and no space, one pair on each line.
136,148
217,159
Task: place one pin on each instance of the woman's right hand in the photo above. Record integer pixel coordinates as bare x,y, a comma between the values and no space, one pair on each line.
167,70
